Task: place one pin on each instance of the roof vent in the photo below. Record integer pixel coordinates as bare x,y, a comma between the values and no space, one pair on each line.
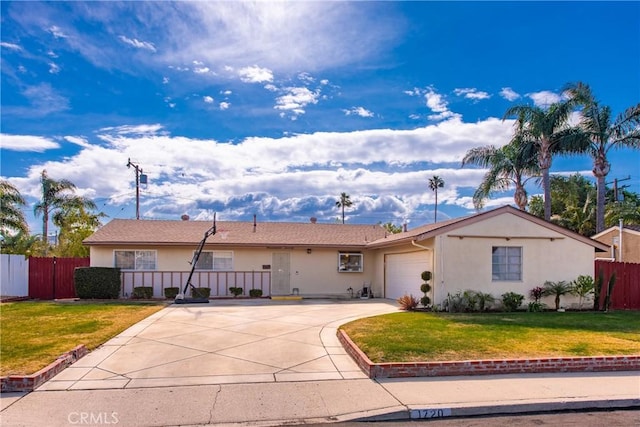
313,220
185,217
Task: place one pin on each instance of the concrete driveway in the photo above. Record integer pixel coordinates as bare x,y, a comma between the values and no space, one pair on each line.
225,342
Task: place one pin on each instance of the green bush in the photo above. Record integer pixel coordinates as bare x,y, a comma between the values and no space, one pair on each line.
425,301
171,293
511,301
535,307
426,276
425,287
142,292
201,292
255,293
97,282
235,290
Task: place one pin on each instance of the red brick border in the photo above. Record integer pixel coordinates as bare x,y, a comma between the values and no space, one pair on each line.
31,382
487,367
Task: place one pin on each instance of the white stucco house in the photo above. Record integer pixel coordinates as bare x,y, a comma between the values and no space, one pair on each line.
496,251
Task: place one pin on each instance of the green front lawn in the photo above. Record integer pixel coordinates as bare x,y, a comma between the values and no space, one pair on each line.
423,337
34,334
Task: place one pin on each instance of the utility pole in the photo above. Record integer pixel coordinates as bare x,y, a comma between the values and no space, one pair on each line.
139,175
616,188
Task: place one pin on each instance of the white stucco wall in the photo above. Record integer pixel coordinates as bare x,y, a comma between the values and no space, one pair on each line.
314,274
466,261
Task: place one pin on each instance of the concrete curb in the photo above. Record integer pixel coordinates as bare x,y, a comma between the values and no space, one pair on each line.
26,383
488,367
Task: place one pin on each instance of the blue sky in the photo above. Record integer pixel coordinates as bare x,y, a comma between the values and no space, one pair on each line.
275,109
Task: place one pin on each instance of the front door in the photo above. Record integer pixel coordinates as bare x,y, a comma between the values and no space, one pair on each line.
280,274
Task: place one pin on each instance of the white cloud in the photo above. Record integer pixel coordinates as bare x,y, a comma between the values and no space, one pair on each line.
138,44
201,70
207,99
10,46
225,105
255,74
32,143
544,98
472,93
135,130
509,94
226,92
80,141
359,111
45,100
57,32
22,69
52,54
165,80
53,68
438,105
296,99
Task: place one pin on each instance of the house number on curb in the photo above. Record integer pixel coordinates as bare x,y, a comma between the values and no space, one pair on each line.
420,414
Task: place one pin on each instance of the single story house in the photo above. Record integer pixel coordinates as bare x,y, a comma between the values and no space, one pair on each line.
497,251
624,241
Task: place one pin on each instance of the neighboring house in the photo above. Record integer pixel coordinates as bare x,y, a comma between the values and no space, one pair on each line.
624,242
496,251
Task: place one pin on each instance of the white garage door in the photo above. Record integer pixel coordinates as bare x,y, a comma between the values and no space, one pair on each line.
402,273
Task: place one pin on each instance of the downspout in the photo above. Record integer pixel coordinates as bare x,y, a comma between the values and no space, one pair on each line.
620,238
433,288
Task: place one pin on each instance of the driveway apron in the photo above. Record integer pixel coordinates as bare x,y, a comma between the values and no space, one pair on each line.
225,342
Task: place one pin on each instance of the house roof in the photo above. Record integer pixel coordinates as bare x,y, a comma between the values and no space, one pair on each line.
431,230
633,229
131,232
278,234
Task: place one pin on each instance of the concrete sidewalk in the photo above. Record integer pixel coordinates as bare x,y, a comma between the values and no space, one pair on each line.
255,362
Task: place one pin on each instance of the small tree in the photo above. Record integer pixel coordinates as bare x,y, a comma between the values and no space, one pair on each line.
557,289
425,288
484,300
511,301
583,286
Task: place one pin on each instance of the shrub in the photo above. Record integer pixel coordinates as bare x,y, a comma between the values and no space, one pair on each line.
511,301
535,307
201,292
484,300
583,286
255,293
454,303
425,301
426,276
557,289
171,293
97,282
408,302
469,300
425,288
536,293
142,292
235,290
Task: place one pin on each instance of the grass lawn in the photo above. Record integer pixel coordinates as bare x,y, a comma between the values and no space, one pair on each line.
424,337
34,334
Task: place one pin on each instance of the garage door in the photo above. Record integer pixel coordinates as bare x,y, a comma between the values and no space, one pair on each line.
402,273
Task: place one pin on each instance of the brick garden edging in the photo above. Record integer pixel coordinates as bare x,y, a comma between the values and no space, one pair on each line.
31,382
487,367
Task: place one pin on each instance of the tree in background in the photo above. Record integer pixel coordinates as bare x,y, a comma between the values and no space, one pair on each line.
435,183
508,165
391,228
604,134
574,205
344,202
75,224
12,219
57,196
546,132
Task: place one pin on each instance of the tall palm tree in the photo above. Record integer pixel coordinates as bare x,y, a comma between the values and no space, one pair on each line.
344,202
603,135
11,216
546,131
56,196
508,165
435,183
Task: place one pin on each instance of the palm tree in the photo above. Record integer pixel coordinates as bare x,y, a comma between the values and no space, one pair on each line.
603,135
508,165
546,132
435,183
11,215
56,197
344,202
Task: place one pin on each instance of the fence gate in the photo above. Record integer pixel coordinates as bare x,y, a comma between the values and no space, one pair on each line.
626,291
52,278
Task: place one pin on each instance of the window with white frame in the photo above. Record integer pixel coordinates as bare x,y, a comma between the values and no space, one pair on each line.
350,262
215,260
135,260
506,263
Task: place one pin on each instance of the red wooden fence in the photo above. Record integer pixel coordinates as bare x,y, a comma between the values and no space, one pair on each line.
626,292
52,278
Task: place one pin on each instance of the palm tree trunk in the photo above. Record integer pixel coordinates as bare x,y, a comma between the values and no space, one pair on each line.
600,202
520,197
435,216
544,161
343,213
